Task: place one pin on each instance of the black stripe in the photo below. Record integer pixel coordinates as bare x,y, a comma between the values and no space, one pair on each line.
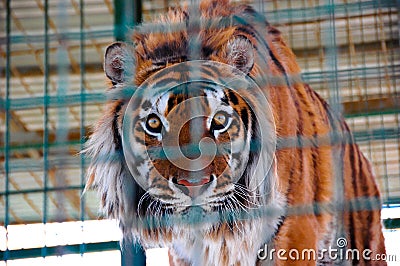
117,137
209,71
255,129
146,104
255,144
354,174
139,128
171,104
237,156
233,97
139,140
204,98
179,99
244,116
206,51
225,98
353,214
164,82
246,28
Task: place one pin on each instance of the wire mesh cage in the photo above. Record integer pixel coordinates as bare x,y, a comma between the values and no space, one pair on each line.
53,88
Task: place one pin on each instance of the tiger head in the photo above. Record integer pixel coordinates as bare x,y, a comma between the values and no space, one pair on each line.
195,133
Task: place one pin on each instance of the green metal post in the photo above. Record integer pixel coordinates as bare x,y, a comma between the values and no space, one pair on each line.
45,117
82,131
7,133
127,14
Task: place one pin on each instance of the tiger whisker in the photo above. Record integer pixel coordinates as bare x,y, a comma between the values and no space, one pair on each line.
151,207
144,197
241,205
246,191
235,212
251,204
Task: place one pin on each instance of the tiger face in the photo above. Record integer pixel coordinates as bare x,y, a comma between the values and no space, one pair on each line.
196,141
204,144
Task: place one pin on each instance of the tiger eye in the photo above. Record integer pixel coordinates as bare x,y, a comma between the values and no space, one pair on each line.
153,124
220,118
220,121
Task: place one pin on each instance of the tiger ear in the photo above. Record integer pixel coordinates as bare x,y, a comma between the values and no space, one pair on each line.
240,54
119,62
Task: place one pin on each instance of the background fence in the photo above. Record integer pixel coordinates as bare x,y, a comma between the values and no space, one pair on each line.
52,86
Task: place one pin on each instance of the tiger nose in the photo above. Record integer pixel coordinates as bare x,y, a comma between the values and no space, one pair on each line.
193,187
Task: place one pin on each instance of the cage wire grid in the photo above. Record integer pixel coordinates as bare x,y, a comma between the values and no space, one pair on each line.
53,90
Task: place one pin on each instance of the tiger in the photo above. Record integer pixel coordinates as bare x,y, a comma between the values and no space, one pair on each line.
284,173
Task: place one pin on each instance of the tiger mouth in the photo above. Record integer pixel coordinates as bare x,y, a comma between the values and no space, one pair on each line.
192,182
193,187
